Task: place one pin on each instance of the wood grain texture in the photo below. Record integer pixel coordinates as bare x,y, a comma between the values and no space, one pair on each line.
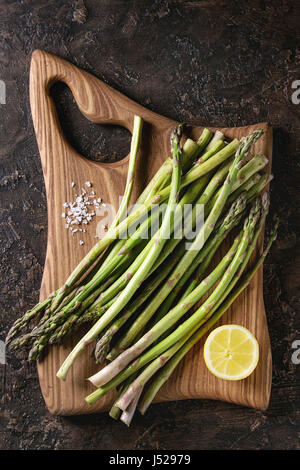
61,165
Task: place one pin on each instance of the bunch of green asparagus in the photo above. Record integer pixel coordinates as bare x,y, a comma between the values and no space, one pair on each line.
148,288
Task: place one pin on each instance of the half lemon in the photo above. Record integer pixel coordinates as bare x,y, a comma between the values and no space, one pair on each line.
231,352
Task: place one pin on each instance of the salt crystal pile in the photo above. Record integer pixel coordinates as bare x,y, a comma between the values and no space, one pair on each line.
81,211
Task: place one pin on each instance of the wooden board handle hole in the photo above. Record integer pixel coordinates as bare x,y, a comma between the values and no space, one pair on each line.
103,143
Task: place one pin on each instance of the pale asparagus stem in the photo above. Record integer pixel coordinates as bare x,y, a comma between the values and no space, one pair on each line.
222,306
217,136
129,397
202,314
134,149
204,257
110,371
127,415
115,411
174,315
144,269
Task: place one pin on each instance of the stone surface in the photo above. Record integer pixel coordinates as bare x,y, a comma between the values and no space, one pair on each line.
222,63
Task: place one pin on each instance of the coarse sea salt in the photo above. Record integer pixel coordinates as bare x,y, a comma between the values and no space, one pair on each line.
81,210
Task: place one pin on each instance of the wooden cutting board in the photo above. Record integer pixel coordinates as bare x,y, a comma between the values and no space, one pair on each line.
62,165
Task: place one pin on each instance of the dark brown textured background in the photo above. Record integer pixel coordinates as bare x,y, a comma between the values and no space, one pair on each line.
218,63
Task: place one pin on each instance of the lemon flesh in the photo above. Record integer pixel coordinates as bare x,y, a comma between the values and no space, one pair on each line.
231,352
